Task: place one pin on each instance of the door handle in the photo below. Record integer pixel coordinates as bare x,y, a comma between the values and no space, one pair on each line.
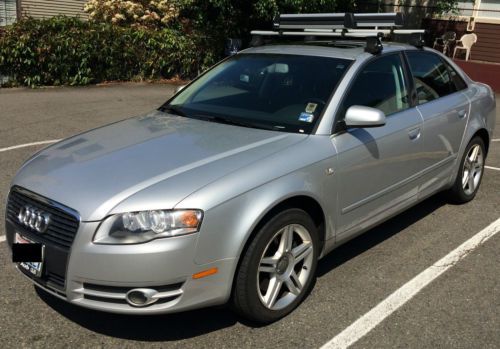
462,113
414,134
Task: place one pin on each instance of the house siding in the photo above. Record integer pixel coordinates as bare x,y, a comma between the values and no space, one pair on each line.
487,47
50,8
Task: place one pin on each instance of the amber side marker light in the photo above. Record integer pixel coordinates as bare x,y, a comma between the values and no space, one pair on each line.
204,273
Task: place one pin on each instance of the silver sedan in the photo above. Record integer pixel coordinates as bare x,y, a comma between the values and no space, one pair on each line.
236,186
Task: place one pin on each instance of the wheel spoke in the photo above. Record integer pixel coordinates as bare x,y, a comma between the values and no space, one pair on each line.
302,251
272,291
293,283
474,154
465,178
268,265
286,239
470,181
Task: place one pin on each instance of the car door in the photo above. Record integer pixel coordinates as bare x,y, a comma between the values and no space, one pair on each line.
444,109
377,167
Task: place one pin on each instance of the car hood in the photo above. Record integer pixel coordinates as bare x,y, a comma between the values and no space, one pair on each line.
95,171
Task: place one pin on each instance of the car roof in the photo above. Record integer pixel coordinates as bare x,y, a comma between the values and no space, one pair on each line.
350,51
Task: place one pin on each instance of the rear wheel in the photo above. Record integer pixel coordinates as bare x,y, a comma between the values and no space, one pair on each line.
278,269
470,174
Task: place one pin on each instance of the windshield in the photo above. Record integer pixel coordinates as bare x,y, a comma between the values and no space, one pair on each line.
271,91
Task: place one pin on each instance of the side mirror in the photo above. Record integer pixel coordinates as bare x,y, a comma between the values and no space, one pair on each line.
179,88
360,116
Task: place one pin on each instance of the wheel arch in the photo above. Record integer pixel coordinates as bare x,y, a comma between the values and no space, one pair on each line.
301,201
304,202
484,135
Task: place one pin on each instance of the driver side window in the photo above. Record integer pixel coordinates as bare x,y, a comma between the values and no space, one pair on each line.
380,84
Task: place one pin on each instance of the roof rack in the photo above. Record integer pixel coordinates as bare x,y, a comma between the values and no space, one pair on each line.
372,26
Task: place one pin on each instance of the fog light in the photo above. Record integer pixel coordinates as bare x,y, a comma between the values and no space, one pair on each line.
141,297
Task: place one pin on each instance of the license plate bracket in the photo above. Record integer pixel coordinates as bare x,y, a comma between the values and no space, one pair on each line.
28,255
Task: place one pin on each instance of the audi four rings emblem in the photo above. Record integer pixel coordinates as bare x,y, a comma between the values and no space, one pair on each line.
34,218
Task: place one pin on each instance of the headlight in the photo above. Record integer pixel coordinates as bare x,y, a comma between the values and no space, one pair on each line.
137,227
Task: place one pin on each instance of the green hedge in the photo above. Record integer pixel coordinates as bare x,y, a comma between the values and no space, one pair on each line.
68,51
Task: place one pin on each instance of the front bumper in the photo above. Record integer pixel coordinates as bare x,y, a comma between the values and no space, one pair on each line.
99,276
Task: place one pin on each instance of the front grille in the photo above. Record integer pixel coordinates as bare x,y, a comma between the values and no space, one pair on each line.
62,227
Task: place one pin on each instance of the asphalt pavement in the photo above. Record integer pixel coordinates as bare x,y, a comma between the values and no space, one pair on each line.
460,309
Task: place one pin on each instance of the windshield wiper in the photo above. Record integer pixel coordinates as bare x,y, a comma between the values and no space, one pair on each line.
172,109
228,121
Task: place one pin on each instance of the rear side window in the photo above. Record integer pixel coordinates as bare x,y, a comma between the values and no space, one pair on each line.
381,85
431,76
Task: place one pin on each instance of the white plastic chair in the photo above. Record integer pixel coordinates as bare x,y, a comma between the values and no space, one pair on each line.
467,41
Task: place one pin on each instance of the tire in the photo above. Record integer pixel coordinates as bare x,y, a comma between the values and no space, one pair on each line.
470,173
272,259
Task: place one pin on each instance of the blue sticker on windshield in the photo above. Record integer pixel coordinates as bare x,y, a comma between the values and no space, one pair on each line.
306,117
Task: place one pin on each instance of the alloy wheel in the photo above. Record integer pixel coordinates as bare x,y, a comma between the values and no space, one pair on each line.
473,169
285,266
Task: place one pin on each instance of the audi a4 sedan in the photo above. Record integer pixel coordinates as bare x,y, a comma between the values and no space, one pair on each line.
234,189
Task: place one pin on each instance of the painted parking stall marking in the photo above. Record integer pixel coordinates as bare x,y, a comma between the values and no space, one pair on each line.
28,145
492,168
379,313
2,238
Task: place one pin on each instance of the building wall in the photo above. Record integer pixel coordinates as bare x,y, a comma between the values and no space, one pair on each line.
481,17
50,8
487,47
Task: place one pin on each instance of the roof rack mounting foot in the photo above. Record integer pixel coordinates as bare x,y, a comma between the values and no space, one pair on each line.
374,44
417,39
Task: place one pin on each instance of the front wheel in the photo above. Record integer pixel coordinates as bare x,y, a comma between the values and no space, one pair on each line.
278,268
470,174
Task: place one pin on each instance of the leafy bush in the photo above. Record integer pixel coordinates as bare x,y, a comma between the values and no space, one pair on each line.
67,51
149,13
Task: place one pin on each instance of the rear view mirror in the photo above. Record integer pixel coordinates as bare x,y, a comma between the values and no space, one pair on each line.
361,116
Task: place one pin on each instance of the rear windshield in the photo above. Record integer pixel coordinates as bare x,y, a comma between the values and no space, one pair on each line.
272,91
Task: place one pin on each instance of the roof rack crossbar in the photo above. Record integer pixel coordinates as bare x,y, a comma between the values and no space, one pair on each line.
319,34
358,33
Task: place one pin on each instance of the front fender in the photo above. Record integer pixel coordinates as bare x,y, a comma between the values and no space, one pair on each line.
228,223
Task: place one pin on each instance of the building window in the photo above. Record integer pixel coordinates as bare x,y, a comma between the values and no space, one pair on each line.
466,8
488,9
8,12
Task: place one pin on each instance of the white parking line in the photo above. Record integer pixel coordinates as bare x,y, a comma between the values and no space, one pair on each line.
492,168
2,238
496,140
376,315
28,145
